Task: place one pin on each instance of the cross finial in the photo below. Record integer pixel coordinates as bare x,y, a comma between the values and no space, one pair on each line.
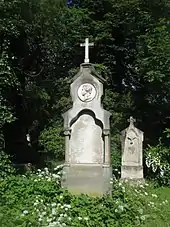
86,45
131,120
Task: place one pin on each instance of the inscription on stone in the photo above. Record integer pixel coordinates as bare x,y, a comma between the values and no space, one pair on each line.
131,149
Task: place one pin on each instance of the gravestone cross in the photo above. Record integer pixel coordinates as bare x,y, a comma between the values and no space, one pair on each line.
86,45
131,120
132,152
87,167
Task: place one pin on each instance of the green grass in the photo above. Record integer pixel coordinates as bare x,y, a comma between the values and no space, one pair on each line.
160,217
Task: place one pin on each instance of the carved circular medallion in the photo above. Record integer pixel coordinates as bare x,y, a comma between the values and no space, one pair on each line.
86,92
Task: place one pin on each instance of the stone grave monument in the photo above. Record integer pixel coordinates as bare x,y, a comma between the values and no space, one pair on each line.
132,152
87,166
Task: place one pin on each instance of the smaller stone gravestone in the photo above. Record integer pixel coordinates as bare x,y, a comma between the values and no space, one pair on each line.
86,129
132,152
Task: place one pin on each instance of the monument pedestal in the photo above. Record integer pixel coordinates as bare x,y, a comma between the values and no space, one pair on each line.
132,153
132,172
87,137
90,179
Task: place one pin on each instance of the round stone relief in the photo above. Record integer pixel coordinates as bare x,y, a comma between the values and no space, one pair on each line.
86,92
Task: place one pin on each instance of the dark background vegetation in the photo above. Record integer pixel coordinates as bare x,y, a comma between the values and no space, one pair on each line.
40,54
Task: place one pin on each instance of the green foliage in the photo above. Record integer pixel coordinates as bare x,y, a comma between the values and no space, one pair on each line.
6,168
158,163
53,142
8,81
37,199
154,63
116,155
40,47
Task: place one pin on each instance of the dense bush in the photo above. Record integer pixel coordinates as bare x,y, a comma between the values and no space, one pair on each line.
52,143
6,168
157,160
37,199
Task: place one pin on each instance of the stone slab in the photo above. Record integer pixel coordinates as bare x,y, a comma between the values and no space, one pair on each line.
132,172
93,180
86,143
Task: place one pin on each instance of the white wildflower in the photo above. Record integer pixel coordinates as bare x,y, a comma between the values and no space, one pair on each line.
140,211
80,218
143,218
53,211
121,208
141,186
86,218
53,204
25,212
123,189
136,191
154,195
148,162
162,173
154,167
49,220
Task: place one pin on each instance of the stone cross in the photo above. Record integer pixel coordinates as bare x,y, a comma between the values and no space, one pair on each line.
86,45
131,120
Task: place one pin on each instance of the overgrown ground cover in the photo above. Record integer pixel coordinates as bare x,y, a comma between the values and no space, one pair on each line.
161,217
37,199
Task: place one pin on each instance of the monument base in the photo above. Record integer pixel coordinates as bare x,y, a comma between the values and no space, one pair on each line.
134,173
90,179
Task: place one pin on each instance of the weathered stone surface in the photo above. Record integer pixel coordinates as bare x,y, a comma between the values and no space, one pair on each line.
93,180
86,142
132,153
87,131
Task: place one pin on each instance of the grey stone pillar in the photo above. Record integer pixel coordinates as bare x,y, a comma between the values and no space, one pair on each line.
106,135
67,134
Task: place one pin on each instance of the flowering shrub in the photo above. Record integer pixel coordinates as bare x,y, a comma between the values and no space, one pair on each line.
158,163
37,199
